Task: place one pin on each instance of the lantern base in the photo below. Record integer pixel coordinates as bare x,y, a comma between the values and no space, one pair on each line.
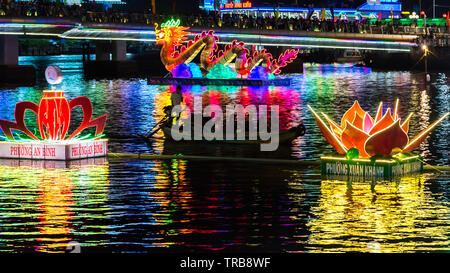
64,150
364,167
53,164
221,82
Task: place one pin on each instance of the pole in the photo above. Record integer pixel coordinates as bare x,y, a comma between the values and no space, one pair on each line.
427,77
434,9
153,7
426,63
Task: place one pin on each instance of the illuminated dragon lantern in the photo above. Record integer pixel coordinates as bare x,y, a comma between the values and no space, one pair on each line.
175,51
386,135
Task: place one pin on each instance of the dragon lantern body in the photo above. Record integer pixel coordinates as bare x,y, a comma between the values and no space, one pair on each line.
175,50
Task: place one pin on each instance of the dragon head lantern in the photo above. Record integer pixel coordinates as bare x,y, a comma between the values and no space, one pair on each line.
170,31
386,135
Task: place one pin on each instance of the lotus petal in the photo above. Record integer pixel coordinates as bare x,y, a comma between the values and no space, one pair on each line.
19,124
354,137
405,124
328,134
383,123
379,112
358,121
368,123
350,114
385,141
336,128
395,115
415,142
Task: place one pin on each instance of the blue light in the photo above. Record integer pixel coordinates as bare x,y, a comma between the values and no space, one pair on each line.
195,70
181,71
258,73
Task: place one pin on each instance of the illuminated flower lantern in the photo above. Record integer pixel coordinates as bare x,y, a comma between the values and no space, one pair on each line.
175,51
53,121
385,136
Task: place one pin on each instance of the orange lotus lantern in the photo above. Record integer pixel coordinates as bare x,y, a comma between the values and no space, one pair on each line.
386,135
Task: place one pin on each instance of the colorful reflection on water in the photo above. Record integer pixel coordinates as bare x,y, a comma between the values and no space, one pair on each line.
43,206
385,216
285,99
134,107
179,206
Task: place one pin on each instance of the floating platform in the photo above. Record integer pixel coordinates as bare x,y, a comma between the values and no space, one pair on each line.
53,164
66,150
367,168
222,82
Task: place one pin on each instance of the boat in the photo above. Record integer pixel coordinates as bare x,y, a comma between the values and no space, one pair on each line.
285,136
221,82
350,56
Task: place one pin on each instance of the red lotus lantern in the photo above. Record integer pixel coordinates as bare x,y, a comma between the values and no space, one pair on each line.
53,117
53,121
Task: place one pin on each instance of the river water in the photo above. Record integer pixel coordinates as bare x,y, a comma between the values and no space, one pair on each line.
119,205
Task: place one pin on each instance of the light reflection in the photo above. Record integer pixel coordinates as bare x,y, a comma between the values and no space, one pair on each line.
47,203
55,199
172,195
285,98
424,115
355,215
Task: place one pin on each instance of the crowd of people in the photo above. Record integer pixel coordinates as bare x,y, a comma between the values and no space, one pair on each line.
97,14
281,23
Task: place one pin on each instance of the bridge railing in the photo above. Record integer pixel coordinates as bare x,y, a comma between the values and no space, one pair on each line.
147,20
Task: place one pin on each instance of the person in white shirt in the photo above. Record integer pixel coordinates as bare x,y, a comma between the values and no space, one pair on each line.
177,98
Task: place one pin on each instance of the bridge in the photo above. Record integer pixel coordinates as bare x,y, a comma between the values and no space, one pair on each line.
12,28
111,39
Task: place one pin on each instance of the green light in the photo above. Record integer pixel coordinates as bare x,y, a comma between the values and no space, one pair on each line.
171,23
352,154
221,71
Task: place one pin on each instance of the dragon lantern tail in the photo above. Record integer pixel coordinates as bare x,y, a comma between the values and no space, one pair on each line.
284,59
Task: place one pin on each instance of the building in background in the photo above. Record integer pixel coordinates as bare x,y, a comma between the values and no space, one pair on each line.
307,9
106,3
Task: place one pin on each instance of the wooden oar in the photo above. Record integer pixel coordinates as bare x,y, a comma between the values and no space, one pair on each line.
153,130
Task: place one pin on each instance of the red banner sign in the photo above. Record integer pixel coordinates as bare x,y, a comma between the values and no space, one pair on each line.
238,5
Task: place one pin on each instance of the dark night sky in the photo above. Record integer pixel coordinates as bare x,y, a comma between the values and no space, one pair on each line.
441,5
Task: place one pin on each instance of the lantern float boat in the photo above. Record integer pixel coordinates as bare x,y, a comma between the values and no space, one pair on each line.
257,68
285,137
368,147
53,121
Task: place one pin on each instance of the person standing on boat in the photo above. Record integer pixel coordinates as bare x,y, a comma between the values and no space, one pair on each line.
177,98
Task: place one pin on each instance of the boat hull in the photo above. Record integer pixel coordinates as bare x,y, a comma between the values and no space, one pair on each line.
221,82
285,136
